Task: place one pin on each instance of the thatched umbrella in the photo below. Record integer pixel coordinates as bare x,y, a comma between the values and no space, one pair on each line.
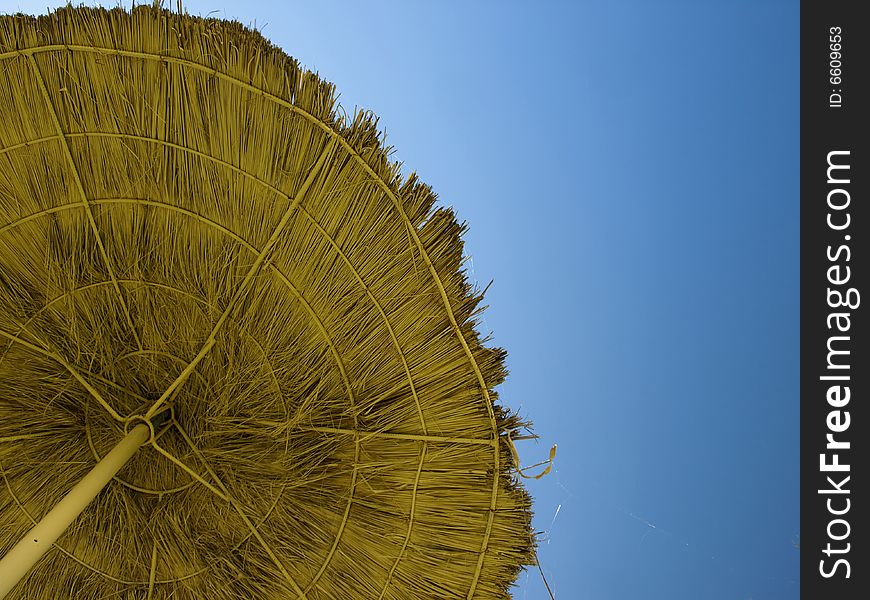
219,291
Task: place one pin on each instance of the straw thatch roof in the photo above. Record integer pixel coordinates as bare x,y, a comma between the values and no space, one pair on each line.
186,219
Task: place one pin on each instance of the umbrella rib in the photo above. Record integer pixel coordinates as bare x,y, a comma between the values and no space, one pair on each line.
102,283
364,435
15,339
111,383
56,357
77,178
239,510
36,215
243,287
229,232
26,436
344,519
47,138
450,314
410,521
49,354
152,576
395,340
188,470
407,369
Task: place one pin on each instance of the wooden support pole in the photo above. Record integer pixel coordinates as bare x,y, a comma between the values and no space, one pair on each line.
18,561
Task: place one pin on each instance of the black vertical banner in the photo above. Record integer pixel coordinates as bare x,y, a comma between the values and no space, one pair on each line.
835,300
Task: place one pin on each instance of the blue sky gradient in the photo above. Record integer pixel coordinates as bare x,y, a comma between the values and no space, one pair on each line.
629,172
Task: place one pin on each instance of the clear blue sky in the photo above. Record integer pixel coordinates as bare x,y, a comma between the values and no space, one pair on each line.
629,171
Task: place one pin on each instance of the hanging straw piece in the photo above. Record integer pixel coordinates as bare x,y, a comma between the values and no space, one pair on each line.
521,470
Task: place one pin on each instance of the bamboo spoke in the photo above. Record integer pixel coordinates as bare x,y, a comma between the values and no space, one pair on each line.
74,372
77,178
244,287
152,576
238,507
365,435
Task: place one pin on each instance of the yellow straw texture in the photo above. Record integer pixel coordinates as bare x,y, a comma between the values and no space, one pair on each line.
188,219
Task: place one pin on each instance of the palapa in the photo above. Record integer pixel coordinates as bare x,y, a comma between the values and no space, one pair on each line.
200,254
